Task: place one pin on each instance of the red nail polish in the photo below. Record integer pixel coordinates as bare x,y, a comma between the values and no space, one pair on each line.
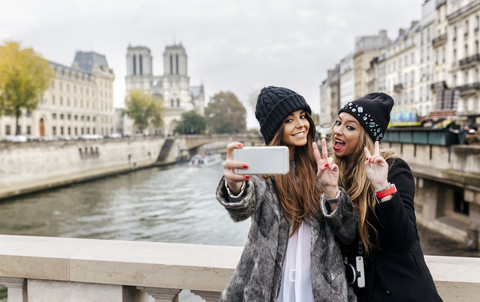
240,145
326,165
245,166
247,177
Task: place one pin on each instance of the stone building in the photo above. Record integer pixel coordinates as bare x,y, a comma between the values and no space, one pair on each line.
463,56
366,49
79,101
330,97
173,87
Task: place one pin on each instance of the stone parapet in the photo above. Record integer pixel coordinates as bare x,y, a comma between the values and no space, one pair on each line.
64,269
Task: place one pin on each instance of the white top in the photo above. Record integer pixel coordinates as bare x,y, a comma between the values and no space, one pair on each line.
296,282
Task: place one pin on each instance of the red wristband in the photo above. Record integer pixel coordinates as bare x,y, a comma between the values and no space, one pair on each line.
387,192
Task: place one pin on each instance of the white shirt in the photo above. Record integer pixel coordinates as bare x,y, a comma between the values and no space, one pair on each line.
296,282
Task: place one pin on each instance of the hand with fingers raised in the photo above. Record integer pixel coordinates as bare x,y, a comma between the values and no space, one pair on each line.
376,168
234,180
328,172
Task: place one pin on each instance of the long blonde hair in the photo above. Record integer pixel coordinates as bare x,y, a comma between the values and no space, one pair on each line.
298,191
355,182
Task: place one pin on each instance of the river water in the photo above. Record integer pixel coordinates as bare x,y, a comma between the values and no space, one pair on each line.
163,204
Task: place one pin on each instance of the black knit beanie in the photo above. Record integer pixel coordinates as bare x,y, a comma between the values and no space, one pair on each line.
373,113
274,104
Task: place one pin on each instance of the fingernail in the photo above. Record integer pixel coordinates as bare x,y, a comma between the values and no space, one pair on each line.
240,145
368,158
326,165
247,177
245,166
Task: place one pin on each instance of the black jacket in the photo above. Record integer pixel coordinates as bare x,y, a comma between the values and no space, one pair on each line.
396,269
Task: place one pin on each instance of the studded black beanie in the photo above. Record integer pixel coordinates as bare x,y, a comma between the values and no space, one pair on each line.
373,112
274,104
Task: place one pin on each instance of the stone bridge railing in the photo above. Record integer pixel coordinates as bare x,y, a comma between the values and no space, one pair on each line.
62,269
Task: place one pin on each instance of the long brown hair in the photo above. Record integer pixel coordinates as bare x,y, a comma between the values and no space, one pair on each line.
355,182
298,191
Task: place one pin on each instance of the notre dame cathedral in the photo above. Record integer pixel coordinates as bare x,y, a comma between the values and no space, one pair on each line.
173,87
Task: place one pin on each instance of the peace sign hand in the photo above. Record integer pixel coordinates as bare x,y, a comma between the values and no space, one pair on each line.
328,173
376,168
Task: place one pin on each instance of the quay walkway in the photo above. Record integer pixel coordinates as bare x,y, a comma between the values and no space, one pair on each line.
41,269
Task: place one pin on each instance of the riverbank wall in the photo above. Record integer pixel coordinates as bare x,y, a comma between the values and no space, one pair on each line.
33,166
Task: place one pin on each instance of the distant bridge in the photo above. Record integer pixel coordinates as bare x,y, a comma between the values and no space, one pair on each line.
193,142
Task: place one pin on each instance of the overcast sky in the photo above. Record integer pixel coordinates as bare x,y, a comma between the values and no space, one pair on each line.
237,46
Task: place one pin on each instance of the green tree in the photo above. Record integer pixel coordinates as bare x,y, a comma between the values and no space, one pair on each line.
191,123
226,114
24,77
144,110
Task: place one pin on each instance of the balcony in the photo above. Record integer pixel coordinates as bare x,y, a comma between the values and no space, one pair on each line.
45,269
398,87
439,41
469,61
439,85
468,88
462,12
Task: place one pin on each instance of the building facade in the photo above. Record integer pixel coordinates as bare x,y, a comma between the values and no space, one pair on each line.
463,19
433,66
366,49
347,80
78,102
172,88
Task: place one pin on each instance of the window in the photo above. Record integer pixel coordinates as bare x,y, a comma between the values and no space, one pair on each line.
54,130
61,116
172,103
465,29
7,130
61,131
176,64
54,116
134,69
178,102
53,100
29,130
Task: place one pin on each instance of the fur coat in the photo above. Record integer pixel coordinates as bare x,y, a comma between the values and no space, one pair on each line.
259,272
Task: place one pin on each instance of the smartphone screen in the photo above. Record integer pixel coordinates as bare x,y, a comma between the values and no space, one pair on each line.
263,160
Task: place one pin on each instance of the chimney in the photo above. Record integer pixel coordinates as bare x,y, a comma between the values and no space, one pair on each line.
401,31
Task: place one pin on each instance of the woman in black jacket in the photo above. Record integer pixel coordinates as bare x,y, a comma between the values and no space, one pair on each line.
382,188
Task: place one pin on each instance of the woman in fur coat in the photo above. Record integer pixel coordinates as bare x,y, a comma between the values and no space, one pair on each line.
292,252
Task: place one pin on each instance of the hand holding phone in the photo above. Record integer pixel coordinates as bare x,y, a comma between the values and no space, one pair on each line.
263,160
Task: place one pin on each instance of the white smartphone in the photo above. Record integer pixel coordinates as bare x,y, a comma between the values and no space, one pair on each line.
263,160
